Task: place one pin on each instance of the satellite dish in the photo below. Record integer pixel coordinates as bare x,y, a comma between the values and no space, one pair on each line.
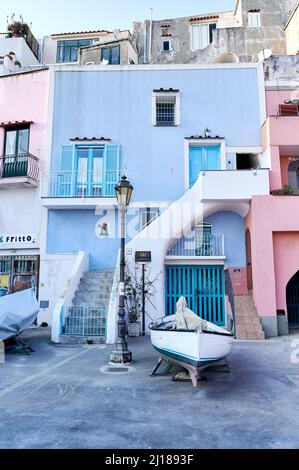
264,54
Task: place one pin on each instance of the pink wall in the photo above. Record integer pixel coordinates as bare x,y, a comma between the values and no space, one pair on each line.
275,249
276,97
280,136
25,97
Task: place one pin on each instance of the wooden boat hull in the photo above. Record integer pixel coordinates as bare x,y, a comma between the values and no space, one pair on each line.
190,349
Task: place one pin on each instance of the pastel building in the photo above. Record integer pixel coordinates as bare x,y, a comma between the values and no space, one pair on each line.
23,111
187,137
272,228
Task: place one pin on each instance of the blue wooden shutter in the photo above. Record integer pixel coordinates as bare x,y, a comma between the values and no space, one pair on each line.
111,169
66,175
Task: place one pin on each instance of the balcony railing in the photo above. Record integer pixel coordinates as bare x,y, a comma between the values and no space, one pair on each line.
198,245
78,184
22,165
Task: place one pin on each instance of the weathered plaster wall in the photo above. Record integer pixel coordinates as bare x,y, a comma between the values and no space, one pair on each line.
233,35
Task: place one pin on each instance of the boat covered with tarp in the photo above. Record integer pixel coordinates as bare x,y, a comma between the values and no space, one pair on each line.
17,312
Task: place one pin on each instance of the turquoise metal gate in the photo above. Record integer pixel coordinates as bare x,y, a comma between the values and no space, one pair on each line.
202,286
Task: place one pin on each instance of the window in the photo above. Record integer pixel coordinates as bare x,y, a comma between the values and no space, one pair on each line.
166,46
16,141
254,19
203,240
87,171
111,54
147,215
166,109
67,51
202,35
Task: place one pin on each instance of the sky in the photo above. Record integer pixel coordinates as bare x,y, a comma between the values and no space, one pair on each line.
57,16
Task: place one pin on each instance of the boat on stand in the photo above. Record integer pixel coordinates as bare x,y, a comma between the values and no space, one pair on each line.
187,340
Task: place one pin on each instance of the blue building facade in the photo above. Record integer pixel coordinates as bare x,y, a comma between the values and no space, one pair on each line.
117,107
161,126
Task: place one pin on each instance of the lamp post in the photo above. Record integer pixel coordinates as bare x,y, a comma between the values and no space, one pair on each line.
120,353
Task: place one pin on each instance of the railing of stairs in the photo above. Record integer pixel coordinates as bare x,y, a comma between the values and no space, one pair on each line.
113,304
230,293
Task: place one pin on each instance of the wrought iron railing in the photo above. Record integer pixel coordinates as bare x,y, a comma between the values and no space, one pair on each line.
198,245
22,165
32,43
83,321
83,184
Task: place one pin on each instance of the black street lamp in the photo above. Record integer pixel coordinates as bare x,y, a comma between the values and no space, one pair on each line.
120,353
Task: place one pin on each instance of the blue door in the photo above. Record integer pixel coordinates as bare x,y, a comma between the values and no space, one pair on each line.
202,286
203,158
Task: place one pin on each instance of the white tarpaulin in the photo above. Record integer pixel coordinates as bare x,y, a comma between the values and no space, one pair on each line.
185,319
17,312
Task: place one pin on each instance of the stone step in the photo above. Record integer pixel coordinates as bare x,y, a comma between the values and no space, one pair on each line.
70,339
90,304
89,295
248,325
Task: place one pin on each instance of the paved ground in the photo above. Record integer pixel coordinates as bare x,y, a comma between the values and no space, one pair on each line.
58,398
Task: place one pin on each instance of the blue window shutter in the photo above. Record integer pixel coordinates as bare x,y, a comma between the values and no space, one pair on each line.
111,169
66,175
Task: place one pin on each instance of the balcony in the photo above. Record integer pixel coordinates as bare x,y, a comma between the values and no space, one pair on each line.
89,184
198,246
19,170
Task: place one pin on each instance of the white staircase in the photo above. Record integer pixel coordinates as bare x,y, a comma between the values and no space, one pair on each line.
213,191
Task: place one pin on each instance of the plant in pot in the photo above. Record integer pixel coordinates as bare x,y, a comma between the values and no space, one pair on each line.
134,297
17,29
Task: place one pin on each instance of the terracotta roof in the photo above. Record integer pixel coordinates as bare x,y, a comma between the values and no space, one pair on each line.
205,17
15,123
82,32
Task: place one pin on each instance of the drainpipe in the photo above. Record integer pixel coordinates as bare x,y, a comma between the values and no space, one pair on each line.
150,38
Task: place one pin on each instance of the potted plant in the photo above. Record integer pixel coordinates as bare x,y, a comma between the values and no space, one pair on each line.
17,29
134,297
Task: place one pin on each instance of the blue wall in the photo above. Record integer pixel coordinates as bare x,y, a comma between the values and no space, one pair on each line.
230,225
118,105
74,230
70,231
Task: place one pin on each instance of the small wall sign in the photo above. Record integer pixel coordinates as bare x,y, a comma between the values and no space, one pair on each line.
9,239
143,256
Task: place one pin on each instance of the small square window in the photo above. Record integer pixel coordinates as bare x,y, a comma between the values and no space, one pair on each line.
166,109
166,46
147,215
254,19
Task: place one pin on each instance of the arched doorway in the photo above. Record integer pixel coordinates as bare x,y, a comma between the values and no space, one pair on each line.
248,260
293,301
293,175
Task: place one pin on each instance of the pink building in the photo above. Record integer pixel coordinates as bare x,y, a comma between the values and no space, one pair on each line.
23,118
272,225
